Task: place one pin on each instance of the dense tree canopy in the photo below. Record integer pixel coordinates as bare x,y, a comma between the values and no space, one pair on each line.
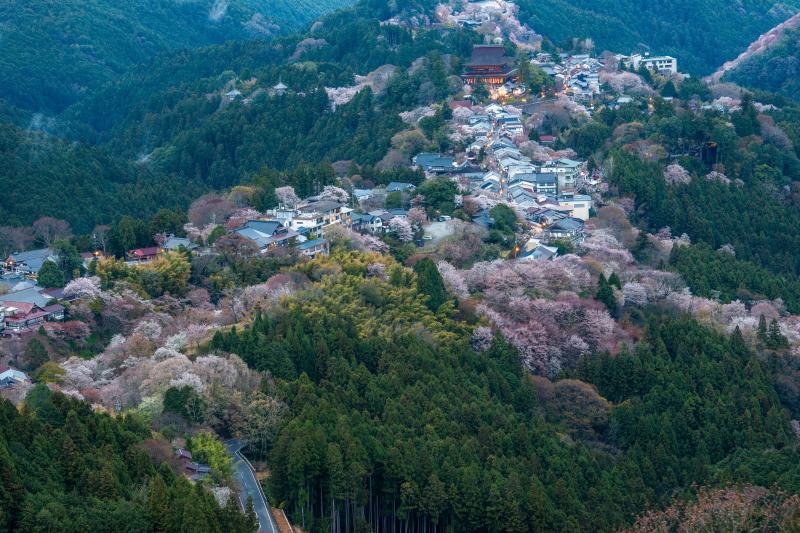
692,31
46,66
773,70
65,468
390,427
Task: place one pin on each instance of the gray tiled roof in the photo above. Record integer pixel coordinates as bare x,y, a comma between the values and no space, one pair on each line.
399,186
31,295
33,258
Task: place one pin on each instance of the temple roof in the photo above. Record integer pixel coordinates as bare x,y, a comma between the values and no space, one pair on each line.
486,55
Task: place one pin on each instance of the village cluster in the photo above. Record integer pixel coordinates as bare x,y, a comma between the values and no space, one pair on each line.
551,191
499,159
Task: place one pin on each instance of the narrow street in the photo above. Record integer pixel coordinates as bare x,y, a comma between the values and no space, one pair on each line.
245,478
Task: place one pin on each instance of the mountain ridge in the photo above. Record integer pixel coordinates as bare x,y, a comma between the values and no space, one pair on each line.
54,52
761,45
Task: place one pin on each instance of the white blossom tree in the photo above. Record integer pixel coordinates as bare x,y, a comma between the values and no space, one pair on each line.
401,228
87,288
635,294
337,194
481,338
287,197
677,175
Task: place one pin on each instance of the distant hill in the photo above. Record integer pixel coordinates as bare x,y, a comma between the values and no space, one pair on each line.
164,132
54,51
84,184
774,37
702,34
776,69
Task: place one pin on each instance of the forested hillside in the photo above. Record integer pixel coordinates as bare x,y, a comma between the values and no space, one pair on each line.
65,468
394,416
701,34
742,202
465,352
83,184
55,51
775,70
171,117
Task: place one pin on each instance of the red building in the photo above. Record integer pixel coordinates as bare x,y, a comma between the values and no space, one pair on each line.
489,65
17,318
143,255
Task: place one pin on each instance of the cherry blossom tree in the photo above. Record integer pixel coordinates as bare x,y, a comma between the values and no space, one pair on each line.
240,217
339,234
401,228
417,216
635,294
87,288
287,197
337,194
718,176
71,329
149,329
733,310
605,248
481,338
453,279
465,241
14,239
741,508
235,247
677,175
765,308
376,270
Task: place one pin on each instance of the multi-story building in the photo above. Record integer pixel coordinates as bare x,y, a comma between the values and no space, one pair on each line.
566,170
661,64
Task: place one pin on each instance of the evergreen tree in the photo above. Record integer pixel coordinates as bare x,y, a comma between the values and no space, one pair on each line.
641,245
158,503
775,339
35,354
605,294
68,259
430,283
251,519
644,72
746,119
762,330
669,90
50,275
479,91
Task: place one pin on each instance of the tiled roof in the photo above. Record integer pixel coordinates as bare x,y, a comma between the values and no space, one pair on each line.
484,55
321,206
398,186
32,295
22,307
312,244
144,252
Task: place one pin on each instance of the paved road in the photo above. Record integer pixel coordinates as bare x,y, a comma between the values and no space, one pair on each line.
246,480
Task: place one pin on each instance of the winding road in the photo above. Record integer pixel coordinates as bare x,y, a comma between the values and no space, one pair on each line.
249,486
